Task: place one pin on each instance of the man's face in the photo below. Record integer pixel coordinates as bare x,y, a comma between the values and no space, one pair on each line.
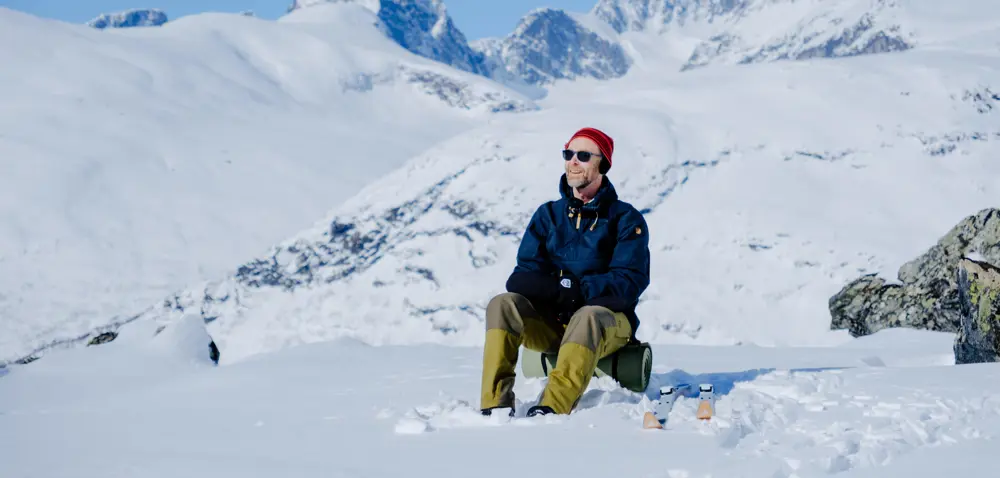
578,174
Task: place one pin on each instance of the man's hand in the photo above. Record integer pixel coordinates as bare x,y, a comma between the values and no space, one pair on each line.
570,297
558,296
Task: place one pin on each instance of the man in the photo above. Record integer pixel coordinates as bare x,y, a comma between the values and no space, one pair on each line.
581,266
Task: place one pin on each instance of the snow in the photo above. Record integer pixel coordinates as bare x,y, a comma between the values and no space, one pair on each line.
139,161
150,183
344,409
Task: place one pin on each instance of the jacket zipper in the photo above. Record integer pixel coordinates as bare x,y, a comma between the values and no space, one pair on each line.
574,212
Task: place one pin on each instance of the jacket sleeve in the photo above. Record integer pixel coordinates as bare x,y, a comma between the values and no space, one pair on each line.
532,256
533,275
628,274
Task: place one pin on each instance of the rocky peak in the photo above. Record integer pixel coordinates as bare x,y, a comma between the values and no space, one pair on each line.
422,27
551,44
130,18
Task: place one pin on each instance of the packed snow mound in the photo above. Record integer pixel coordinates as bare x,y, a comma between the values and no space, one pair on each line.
765,192
130,19
172,153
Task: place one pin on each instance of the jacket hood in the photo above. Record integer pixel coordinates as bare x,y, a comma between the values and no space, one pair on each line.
604,197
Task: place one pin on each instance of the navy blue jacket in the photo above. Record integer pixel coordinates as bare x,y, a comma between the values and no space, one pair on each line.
603,244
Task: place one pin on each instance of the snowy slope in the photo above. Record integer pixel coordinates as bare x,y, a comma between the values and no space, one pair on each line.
766,187
888,405
138,161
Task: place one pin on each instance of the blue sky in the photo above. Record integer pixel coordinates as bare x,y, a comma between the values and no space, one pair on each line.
476,18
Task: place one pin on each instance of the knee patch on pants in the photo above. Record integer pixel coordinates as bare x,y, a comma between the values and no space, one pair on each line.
599,329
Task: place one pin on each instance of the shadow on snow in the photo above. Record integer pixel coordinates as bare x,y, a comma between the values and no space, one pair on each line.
722,382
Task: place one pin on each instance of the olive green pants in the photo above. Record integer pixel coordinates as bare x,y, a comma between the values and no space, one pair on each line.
511,321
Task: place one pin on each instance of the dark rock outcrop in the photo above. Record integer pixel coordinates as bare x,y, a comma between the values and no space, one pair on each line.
550,44
978,338
927,296
102,338
130,19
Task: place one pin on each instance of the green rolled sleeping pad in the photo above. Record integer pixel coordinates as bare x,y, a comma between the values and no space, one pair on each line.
630,366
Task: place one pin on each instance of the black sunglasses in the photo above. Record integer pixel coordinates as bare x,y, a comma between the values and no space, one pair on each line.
583,156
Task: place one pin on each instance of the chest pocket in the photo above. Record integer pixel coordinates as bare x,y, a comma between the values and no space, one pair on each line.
583,243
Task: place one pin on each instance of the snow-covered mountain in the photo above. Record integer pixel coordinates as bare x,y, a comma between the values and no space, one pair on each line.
766,187
658,16
149,17
146,202
551,44
172,153
753,31
422,27
609,40
796,31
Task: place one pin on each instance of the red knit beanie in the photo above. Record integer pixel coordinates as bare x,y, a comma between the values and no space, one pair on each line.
604,142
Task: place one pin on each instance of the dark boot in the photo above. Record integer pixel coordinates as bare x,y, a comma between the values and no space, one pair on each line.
489,411
540,410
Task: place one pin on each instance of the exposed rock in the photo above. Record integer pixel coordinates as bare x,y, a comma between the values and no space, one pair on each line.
928,296
188,333
978,338
550,44
423,27
102,338
130,19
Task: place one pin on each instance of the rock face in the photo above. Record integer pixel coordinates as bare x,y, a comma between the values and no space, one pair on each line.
927,296
421,26
978,337
550,44
425,28
130,19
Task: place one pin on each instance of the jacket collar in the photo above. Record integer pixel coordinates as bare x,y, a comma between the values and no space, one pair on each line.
606,195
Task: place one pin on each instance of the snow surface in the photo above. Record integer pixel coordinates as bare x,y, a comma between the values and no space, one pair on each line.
888,405
135,162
